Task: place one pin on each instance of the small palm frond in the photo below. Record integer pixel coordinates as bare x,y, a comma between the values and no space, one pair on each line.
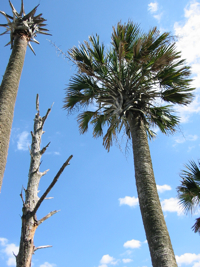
189,190
98,124
108,137
82,58
81,91
193,171
84,119
196,226
98,50
22,24
163,117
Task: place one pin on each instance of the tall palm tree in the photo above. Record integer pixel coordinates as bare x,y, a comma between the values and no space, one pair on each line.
23,30
189,190
125,84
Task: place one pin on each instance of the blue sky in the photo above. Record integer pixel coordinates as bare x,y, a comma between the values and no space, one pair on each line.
99,224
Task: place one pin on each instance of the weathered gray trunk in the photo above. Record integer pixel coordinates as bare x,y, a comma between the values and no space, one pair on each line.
8,94
29,221
159,242
32,201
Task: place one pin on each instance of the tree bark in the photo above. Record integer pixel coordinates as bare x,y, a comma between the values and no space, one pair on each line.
8,94
32,201
162,254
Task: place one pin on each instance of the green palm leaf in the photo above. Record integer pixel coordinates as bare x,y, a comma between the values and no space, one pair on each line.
189,190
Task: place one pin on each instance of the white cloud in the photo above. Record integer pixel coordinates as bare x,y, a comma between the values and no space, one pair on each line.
188,258
23,141
153,7
132,244
189,32
47,264
106,259
130,201
163,188
127,260
188,43
172,205
8,250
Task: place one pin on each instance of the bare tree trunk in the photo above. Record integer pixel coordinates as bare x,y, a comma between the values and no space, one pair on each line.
8,94
32,201
162,254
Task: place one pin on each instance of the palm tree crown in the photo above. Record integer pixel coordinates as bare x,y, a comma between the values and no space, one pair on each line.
189,190
22,24
132,77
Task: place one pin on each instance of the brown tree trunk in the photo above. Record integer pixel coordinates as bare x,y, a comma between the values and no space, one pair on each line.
8,94
162,254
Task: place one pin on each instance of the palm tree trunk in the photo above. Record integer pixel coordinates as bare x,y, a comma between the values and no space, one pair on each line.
8,94
162,254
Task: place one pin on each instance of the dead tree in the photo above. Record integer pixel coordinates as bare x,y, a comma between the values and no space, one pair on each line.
32,202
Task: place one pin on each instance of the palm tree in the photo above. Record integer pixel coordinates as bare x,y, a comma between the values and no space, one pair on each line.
125,85
189,190
23,30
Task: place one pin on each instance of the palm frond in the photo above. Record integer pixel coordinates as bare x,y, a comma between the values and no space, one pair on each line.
196,226
189,190
84,119
163,118
98,124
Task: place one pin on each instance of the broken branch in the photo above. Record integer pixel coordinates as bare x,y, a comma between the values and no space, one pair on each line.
52,184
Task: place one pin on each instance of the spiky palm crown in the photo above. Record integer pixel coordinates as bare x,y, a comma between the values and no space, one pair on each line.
189,190
22,24
137,71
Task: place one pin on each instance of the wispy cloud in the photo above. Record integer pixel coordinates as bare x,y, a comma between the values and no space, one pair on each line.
47,264
163,188
182,139
153,8
8,250
130,201
158,16
132,244
172,205
23,141
127,260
